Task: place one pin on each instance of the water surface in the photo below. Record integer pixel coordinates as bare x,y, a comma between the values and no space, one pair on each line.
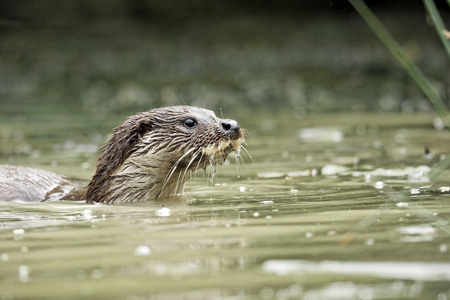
327,207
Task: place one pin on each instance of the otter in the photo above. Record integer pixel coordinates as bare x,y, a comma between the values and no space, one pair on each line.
150,156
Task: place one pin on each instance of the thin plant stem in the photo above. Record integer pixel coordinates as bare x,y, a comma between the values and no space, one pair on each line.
438,23
404,60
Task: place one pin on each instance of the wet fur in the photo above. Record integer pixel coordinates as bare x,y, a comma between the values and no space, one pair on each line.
152,154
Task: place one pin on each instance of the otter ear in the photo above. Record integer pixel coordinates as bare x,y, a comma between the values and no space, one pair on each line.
143,126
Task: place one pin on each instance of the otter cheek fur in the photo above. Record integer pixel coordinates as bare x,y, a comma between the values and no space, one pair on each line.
152,154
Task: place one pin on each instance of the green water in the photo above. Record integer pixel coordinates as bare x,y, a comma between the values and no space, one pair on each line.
326,207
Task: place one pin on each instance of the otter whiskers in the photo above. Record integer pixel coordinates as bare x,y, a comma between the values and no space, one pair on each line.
174,167
182,177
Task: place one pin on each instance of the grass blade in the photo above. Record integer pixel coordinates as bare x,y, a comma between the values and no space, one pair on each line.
438,23
404,59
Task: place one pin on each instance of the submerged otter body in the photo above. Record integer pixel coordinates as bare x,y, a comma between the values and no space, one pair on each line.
148,157
21,184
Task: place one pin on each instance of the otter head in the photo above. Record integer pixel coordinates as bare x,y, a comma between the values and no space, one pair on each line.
152,154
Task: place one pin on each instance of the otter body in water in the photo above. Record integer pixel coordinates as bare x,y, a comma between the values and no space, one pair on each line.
148,157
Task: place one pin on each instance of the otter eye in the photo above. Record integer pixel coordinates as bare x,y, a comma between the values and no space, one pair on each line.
190,123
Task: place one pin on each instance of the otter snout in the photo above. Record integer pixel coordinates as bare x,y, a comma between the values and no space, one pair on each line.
229,126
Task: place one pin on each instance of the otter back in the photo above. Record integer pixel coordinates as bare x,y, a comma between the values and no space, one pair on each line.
21,184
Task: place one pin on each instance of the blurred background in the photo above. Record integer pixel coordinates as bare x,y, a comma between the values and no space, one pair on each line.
72,70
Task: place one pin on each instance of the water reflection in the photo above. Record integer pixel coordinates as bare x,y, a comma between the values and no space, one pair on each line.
419,271
350,290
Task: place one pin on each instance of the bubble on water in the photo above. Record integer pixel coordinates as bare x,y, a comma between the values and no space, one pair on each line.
266,202
294,191
163,212
309,235
303,173
444,189
419,174
329,170
357,173
87,214
379,184
4,257
242,189
24,273
269,175
256,214
415,191
142,250
438,123
414,174
415,234
370,242
401,204
18,231
443,248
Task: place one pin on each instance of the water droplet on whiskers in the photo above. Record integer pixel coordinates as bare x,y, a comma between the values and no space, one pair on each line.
237,154
213,168
213,173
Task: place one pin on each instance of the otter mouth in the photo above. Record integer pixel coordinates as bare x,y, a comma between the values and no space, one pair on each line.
196,158
203,157
219,152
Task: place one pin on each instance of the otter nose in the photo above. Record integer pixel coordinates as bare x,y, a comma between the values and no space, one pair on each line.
229,125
